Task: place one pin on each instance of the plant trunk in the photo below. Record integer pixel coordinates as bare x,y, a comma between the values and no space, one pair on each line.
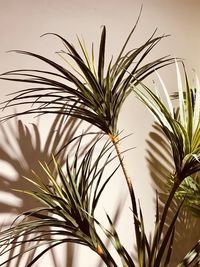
115,142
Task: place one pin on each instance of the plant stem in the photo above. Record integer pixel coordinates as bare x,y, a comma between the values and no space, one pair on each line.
115,142
157,237
167,204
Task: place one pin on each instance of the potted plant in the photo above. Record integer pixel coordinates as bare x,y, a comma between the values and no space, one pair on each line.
69,197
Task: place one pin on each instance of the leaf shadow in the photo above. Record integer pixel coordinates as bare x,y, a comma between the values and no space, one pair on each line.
21,149
160,164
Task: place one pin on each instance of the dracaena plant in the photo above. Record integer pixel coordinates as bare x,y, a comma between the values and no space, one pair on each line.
182,129
67,208
100,91
96,93
190,187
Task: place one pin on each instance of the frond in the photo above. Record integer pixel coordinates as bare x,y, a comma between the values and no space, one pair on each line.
182,131
189,191
99,90
68,205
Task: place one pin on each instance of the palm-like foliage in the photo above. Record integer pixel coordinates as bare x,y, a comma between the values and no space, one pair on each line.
100,90
190,191
182,130
160,164
96,95
68,204
190,187
21,142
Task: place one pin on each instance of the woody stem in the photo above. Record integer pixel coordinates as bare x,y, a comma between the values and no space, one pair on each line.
115,142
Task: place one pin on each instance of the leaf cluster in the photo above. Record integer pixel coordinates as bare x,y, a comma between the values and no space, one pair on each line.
68,205
189,190
96,94
183,129
100,90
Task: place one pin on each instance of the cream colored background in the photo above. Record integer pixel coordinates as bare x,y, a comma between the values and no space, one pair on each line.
23,21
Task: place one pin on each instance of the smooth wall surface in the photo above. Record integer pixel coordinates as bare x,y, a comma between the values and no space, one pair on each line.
22,23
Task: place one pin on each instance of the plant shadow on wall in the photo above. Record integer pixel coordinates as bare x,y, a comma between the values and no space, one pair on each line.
28,152
95,93
160,163
21,149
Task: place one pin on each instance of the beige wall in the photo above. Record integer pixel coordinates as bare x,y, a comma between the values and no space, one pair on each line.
23,21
